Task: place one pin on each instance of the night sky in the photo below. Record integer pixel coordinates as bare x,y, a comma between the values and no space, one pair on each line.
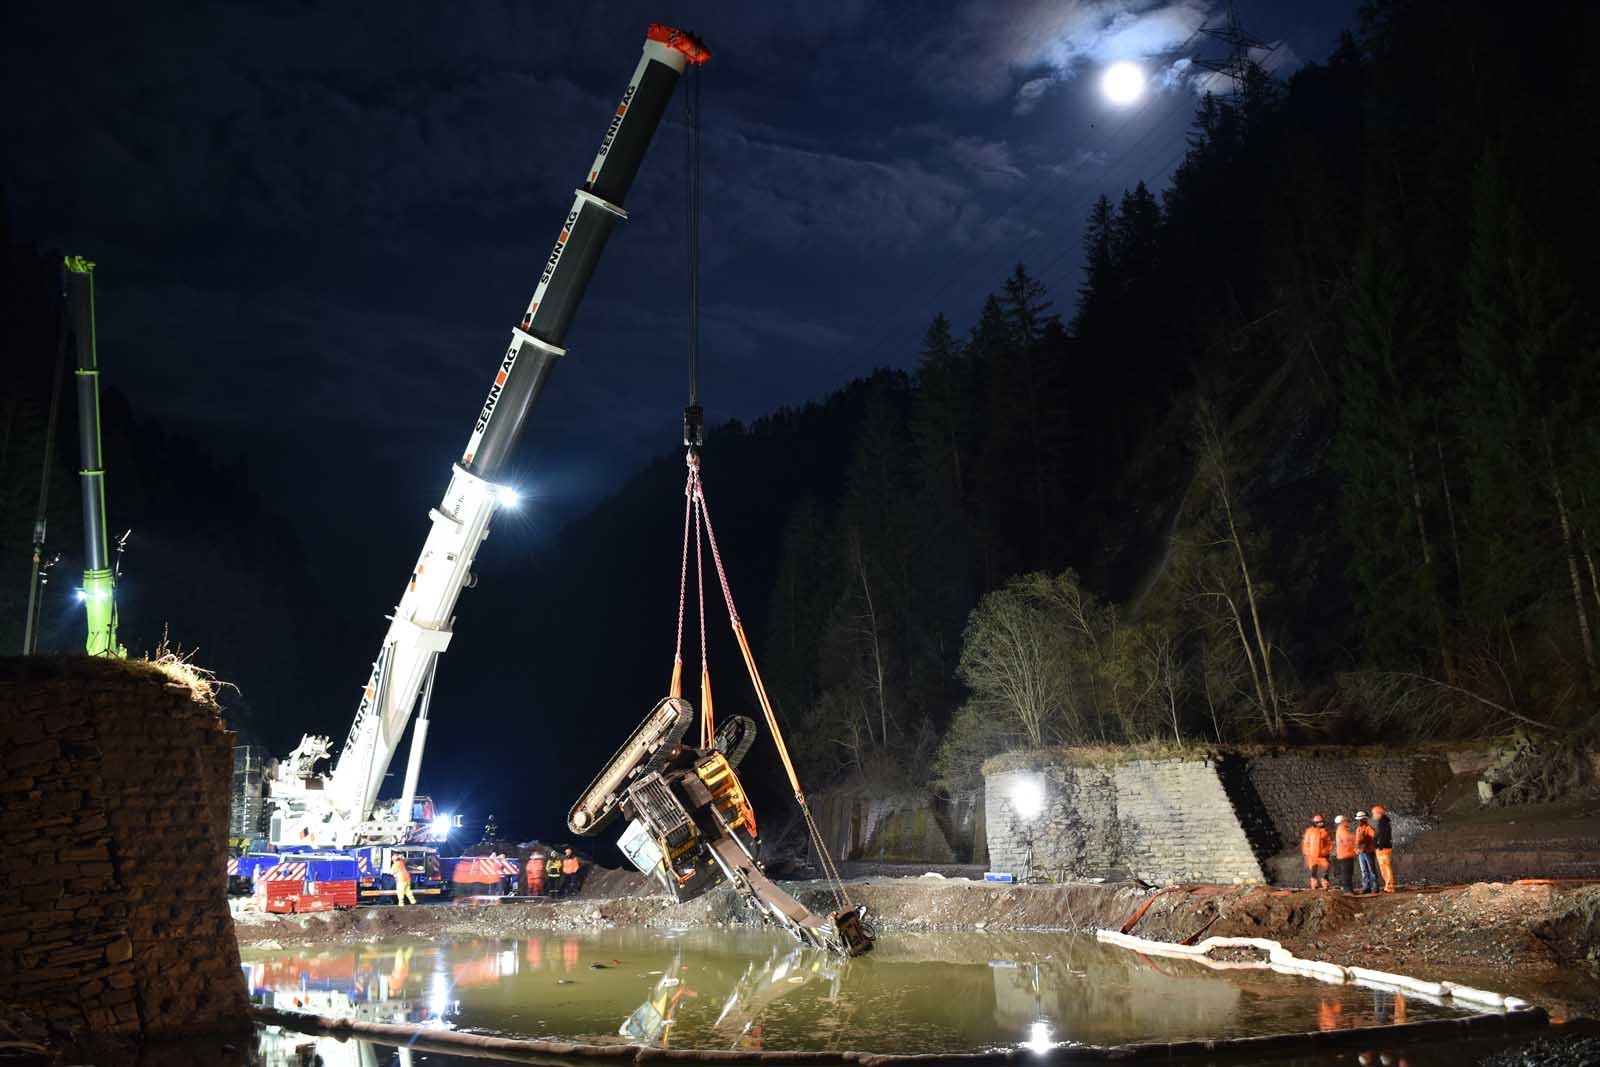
315,223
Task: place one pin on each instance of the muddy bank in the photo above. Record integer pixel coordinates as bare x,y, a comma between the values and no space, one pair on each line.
1536,941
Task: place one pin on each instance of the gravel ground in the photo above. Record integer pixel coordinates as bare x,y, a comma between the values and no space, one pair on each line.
1565,1051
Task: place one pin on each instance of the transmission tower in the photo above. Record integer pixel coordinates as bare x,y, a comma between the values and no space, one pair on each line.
1237,65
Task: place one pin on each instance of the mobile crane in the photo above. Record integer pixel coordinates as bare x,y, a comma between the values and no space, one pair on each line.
341,809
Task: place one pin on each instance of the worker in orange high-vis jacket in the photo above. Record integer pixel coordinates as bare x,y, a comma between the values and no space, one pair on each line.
533,875
1344,854
1385,845
1367,853
1316,846
569,872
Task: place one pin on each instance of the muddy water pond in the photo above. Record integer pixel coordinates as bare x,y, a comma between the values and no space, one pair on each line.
753,990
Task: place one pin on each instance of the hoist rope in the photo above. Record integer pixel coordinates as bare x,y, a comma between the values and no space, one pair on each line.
707,714
676,688
691,106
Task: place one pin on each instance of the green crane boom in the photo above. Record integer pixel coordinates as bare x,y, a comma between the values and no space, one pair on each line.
98,592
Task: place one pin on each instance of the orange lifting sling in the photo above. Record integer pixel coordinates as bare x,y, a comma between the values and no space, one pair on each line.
697,516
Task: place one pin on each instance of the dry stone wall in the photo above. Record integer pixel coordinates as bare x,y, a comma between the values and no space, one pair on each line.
113,908
1295,785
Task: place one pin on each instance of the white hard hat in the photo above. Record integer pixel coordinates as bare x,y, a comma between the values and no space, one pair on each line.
1338,818
1361,815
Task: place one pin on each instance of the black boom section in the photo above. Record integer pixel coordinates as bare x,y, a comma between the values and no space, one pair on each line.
627,146
586,239
595,211
509,410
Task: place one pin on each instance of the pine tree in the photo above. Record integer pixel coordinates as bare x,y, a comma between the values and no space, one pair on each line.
1095,292
1526,402
943,415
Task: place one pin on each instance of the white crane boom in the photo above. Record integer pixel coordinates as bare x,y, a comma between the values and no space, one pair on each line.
342,809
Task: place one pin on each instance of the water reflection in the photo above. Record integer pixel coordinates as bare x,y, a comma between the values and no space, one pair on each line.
650,1021
740,990
762,985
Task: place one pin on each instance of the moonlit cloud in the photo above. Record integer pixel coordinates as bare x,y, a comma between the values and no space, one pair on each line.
1029,93
989,161
1065,39
1083,160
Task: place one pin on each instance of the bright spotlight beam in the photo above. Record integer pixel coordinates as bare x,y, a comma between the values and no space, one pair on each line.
1123,83
507,496
1028,798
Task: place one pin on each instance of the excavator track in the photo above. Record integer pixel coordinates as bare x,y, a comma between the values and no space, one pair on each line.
645,751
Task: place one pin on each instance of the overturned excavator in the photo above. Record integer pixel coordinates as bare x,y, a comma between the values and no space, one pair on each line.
691,825
690,822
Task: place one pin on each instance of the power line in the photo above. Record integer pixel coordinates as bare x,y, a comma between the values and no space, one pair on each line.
1236,66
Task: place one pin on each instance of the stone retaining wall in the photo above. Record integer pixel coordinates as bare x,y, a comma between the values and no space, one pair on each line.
113,908
1159,820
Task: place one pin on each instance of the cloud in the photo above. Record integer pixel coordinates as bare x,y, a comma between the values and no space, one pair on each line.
809,198
1029,93
1084,159
1045,42
1174,75
989,161
1099,33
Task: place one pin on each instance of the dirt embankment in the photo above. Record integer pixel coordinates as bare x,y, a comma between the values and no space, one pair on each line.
1538,941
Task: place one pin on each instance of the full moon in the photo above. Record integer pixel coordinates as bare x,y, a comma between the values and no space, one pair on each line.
1122,83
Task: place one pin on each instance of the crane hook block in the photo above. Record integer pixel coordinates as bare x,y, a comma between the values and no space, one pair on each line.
694,421
681,40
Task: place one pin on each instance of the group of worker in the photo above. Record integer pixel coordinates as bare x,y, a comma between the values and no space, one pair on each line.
543,875
1369,843
550,875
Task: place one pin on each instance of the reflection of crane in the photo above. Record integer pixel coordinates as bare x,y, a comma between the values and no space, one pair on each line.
353,983
340,809
759,988
651,1022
